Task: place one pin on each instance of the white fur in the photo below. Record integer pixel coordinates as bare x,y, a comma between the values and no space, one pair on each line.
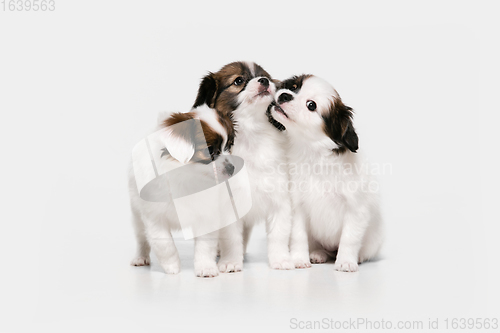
154,221
178,148
209,116
328,215
262,148
251,66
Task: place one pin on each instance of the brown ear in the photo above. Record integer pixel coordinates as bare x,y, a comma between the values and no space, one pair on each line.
179,136
350,138
183,137
206,91
338,126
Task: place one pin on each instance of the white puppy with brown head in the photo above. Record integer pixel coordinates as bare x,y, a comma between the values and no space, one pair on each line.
242,92
179,143
334,208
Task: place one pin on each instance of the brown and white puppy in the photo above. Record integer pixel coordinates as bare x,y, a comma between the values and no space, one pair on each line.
235,86
335,209
182,142
241,93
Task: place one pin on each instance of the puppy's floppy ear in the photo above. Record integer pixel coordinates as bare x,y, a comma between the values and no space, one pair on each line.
207,91
338,126
179,136
349,137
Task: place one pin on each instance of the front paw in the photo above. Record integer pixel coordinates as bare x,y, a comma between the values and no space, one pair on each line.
301,261
282,265
318,257
140,261
281,262
346,266
172,268
230,265
206,269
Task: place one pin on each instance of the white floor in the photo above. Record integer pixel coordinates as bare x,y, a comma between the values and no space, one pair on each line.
90,287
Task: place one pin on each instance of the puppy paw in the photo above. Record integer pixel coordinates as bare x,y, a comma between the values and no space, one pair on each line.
172,268
346,266
283,264
280,260
318,257
301,261
208,269
140,261
230,266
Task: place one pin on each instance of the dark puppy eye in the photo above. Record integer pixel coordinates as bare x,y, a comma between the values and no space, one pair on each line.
311,105
239,80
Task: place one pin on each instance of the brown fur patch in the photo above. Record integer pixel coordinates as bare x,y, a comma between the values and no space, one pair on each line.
206,141
338,126
294,83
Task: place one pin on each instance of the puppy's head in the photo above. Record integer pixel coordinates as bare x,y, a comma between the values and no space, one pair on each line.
236,86
312,109
186,142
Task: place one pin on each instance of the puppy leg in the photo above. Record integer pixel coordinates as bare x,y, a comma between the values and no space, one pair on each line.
278,239
247,231
205,252
142,252
299,248
317,254
231,246
372,241
351,240
163,247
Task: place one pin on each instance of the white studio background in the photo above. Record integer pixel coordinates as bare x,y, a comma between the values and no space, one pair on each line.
79,86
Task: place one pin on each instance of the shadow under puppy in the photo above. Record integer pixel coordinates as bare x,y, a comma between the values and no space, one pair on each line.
184,143
241,93
334,210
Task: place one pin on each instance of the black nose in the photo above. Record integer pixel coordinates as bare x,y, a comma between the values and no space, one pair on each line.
264,82
284,97
228,168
